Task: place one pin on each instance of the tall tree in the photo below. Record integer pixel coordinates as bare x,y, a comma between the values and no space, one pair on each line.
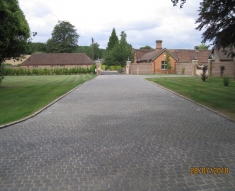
120,52
113,40
217,17
14,32
64,38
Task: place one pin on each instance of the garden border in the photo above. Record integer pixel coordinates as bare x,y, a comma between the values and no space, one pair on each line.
39,111
214,111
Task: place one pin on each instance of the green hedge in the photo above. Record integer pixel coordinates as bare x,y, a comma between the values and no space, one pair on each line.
46,71
104,67
115,67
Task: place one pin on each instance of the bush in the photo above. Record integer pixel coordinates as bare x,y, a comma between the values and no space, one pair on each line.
115,67
204,75
226,81
222,68
93,67
47,71
183,70
104,67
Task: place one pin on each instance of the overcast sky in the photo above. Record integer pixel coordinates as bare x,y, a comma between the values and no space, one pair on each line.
144,22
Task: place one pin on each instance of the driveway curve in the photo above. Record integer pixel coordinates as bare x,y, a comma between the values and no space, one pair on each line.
119,132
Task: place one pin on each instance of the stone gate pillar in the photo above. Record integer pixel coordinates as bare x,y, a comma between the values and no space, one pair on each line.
194,67
128,67
98,67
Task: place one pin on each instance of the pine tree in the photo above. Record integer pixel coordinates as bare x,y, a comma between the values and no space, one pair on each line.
113,39
120,53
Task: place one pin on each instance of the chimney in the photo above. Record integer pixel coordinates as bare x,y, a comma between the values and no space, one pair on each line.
196,49
158,45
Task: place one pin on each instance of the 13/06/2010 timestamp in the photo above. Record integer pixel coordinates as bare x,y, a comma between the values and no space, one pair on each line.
209,170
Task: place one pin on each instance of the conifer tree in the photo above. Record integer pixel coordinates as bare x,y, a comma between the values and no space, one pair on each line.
113,39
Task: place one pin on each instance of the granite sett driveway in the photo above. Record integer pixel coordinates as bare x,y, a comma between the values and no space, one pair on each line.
119,133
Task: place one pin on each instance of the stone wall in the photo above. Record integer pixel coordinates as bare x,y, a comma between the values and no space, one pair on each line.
229,68
138,68
188,68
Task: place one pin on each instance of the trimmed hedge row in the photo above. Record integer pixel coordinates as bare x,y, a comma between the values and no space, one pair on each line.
105,67
48,71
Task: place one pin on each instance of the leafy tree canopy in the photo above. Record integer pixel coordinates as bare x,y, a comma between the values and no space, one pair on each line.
217,17
36,47
14,32
98,53
64,38
146,47
203,47
175,2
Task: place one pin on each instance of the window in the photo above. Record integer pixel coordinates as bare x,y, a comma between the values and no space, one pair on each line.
35,66
52,66
164,65
61,66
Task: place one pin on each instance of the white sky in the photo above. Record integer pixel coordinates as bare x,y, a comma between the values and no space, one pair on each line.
144,22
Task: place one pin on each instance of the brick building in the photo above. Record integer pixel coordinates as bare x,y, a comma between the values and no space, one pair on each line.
153,61
68,60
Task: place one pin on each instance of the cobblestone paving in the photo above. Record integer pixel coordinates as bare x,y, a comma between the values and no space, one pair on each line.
118,133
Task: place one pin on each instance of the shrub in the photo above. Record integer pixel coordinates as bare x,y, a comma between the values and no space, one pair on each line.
45,71
115,67
93,67
204,75
222,68
183,70
226,81
104,67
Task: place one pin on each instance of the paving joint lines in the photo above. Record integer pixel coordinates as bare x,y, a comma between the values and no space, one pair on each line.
48,105
214,111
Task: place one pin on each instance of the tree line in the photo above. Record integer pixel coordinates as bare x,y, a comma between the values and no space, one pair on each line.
40,47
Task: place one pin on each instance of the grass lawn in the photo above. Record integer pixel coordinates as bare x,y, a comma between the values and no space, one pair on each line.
211,93
24,95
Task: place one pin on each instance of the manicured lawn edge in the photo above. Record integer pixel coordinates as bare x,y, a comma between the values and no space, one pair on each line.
48,105
214,111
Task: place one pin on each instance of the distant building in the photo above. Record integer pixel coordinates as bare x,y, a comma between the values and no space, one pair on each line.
68,60
179,58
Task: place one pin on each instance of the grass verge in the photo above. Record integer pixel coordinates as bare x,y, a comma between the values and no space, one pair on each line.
211,93
24,95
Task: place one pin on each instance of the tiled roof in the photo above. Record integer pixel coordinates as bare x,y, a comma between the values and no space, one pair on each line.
154,54
182,55
186,55
140,52
221,55
58,59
